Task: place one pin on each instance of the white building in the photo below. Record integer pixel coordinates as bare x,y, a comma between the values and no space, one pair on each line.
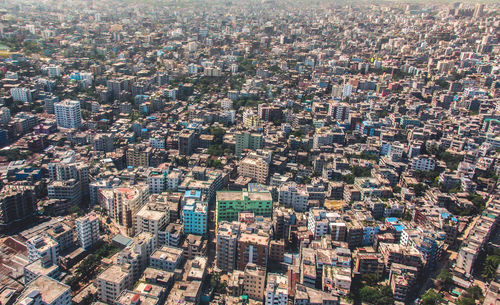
166,258
19,94
347,90
157,142
52,71
157,183
395,151
173,180
87,230
226,103
4,115
45,291
276,290
42,247
423,163
317,223
290,194
112,281
151,218
192,69
68,114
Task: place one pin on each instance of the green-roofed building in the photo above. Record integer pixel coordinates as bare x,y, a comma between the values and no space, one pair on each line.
231,203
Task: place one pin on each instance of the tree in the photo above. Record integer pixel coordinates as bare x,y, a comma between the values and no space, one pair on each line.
359,171
218,134
73,282
379,295
444,278
297,133
419,189
431,297
471,295
348,179
370,279
490,266
215,150
74,209
466,301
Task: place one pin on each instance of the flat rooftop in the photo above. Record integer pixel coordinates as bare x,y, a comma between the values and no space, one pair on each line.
49,288
240,196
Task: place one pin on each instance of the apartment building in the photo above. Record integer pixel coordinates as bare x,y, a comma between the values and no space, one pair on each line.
255,168
136,254
195,217
255,279
42,247
45,290
67,190
138,155
230,203
126,203
227,245
247,140
276,290
87,230
152,218
17,204
252,248
291,194
68,114
112,281
166,258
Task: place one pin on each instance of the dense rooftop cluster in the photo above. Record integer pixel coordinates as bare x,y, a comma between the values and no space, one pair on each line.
249,152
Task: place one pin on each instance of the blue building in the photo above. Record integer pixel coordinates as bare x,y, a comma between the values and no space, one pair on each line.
29,174
3,138
194,217
369,233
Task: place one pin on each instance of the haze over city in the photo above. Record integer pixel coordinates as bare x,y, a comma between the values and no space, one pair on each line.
270,152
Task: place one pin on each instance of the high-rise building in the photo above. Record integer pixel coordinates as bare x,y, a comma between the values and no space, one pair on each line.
63,234
252,248
339,111
42,247
49,102
255,279
17,204
66,190
231,203
66,168
152,218
112,281
255,168
103,142
136,254
291,194
20,94
4,115
227,244
68,114
87,230
157,182
195,217
186,142
139,155
276,290
269,112
126,203
166,258
247,140
478,10
47,291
